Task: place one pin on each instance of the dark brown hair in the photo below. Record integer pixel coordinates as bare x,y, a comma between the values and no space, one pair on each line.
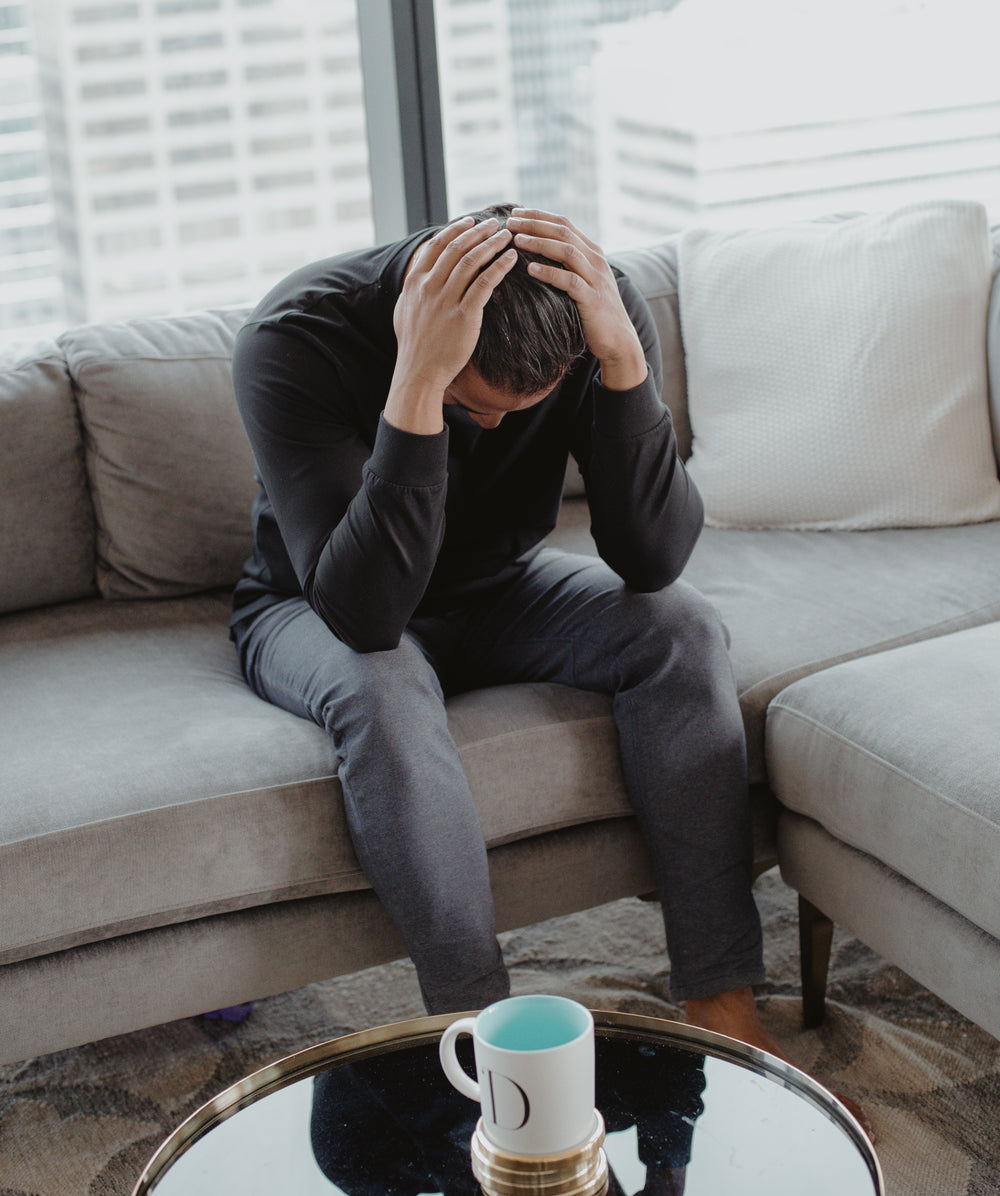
531,332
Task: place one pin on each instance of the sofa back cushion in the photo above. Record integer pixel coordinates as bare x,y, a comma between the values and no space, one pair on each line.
654,271
993,342
836,370
46,520
170,468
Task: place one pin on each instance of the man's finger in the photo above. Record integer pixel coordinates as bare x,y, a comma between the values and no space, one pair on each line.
461,256
433,247
486,281
571,255
564,280
551,224
472,259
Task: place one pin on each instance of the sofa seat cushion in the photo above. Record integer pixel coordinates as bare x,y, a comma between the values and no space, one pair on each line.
898,755
163,790
796,602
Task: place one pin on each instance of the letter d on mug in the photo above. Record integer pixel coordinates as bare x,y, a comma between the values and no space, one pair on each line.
535,1069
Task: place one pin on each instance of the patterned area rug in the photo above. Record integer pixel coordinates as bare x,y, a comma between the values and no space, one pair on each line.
84,1122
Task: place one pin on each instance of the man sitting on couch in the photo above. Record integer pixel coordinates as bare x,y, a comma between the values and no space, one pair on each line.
411,409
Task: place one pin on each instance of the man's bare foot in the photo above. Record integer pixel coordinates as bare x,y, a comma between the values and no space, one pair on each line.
735,1015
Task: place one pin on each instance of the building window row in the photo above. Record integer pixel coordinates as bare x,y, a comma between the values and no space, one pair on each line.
191,79
124,199
25,165
280,145
26,197
214,189
128,241
281,106
26,273
172,8
194,41
282,33
13,16
19,124
26,312
95,14
287,178
117,126
112,87
119,163
215,228
108,53
198,116
202,153
25,238
274,70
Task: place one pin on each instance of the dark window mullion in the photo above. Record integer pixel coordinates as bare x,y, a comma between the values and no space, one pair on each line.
403,115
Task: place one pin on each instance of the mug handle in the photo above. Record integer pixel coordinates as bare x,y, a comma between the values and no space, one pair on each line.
449,1060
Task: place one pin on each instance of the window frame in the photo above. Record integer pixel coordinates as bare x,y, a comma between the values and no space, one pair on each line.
402,115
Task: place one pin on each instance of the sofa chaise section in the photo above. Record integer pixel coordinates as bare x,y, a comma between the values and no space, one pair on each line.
888,772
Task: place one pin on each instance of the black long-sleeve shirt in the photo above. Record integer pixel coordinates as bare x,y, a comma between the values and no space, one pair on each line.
373,524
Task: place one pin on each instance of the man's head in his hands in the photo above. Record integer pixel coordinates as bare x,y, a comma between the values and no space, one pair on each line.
531,332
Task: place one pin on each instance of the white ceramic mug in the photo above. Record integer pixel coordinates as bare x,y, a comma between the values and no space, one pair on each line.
535,1063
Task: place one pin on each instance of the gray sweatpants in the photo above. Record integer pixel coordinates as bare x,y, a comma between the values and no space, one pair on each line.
662,657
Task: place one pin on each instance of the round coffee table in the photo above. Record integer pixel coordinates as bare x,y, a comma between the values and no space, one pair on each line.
371,1114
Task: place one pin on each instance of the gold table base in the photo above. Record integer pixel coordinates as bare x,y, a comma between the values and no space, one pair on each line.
582,1171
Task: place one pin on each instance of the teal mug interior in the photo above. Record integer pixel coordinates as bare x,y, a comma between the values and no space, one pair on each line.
533,1023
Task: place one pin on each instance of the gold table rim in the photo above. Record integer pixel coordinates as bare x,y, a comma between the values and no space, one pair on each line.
419,1031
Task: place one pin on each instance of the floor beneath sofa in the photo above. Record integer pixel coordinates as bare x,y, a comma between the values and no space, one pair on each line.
85,1121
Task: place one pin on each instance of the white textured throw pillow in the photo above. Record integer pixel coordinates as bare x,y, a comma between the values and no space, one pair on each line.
837,370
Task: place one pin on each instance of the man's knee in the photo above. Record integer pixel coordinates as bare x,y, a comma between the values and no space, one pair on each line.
677,626
380,692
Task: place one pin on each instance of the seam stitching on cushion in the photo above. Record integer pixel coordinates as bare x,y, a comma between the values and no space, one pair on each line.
991,613
883,763
547,728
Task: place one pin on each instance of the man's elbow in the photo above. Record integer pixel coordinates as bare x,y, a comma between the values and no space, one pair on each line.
365,637
362,633
655,576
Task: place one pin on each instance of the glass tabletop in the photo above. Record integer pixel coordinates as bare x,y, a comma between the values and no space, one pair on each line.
372,1114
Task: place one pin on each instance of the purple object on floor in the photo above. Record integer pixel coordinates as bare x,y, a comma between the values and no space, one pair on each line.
232,1013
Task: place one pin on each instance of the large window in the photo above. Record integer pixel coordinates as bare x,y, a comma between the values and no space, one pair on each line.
188,153
208,147
638,117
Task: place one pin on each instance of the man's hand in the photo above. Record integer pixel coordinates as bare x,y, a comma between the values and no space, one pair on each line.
584,274
438,317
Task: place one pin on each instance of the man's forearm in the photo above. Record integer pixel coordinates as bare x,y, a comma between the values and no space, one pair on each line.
646,514
377,562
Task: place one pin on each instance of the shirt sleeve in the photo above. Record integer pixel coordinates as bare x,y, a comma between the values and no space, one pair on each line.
362,525
646,513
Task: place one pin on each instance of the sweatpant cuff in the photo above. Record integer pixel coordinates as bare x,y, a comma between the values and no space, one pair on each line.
470,994
692,988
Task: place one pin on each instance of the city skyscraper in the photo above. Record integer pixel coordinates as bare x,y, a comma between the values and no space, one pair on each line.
31,301
199,148
552,48
727,122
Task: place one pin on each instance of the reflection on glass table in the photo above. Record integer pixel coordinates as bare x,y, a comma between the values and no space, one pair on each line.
685,1112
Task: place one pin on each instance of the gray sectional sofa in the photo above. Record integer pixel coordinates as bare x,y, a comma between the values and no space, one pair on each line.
170,844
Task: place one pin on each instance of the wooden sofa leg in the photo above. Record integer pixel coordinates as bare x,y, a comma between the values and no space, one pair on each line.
815,941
